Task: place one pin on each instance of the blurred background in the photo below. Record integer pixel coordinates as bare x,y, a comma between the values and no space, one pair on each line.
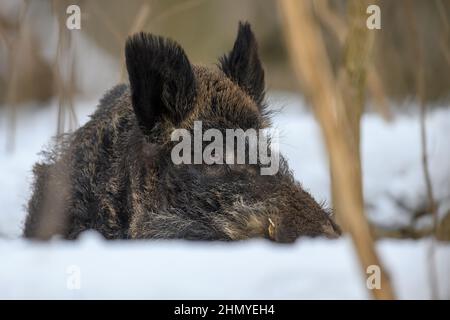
206,29
51,79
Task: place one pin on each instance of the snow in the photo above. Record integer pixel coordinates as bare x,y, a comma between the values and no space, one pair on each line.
311,268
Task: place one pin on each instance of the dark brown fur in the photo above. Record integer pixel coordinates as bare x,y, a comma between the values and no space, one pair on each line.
115,174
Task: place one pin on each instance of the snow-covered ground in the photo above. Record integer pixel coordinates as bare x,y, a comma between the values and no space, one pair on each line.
310,269
257,269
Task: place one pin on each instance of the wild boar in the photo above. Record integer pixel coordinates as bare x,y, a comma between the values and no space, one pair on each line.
115,174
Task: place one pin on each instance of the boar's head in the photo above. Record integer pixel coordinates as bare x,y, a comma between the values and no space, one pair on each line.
216,201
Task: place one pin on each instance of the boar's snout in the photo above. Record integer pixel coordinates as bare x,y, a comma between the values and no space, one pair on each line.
299,215
289,231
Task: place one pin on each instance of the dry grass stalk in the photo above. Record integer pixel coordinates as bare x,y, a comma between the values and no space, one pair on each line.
311,64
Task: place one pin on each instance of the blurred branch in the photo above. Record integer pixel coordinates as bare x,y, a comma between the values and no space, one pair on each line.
176,9
444,43
16,53
110,26
336,25
332,21
441,12
421,97
138,24
311,64
140,19
445,51
351,81
4,26
52,220
64,72
378,92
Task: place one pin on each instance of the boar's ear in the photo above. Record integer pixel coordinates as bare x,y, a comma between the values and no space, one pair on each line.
162,81
242,64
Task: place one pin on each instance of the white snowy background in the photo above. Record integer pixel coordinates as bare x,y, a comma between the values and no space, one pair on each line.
311,268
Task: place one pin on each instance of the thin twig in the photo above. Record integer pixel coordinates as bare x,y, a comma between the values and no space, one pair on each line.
421,98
